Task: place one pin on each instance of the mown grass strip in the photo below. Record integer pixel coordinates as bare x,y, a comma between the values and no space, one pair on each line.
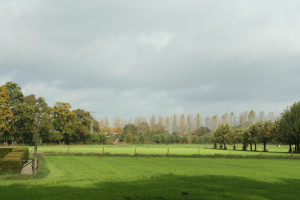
174,155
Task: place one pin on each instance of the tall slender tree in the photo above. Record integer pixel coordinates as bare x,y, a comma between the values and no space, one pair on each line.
167,124
182,124
198,121
174,121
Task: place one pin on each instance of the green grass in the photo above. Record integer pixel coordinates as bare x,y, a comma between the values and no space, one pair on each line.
92,177
162,149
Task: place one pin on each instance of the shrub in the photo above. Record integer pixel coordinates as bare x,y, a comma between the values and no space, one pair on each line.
10,166
142,139
4,151
13,161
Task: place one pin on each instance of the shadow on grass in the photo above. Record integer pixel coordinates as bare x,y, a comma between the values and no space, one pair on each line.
160,187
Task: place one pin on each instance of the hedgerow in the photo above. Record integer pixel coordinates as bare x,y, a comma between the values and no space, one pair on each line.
13,160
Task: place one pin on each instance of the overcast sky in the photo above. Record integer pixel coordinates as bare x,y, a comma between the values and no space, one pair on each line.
137,58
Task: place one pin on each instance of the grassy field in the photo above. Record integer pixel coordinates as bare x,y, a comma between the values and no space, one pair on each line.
69,176
161,149
92,177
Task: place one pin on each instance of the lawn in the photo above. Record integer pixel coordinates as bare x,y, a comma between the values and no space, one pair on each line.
96,177
162,149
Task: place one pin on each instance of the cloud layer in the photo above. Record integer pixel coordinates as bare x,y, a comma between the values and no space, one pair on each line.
132,58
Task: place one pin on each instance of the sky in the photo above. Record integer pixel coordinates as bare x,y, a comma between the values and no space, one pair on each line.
139,58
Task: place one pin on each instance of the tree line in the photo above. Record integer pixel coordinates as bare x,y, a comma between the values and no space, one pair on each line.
284,130
28,120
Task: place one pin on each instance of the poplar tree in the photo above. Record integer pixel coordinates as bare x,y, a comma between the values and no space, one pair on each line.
198,121
182,125
174,124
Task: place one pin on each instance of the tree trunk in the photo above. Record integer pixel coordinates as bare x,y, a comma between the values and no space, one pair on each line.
234,147
254,146
215,145
244,147
298,148
265,145
225,146
250,146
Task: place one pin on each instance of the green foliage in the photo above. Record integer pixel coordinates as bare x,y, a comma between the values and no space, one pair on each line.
64,120
6,114
103,139
265,132
128,137
201,131
16,97
245,137
13,160
26,121
4,151
98,138
55,136
131,128
44,119
184,139
222,133
289,127
15,93
10,166
156,138
141,139
30,120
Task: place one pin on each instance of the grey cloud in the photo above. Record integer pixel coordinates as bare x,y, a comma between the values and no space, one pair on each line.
137,57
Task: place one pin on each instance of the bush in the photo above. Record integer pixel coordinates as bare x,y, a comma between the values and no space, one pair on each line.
13,161
156,138
102,138
24,150
195,140
4,151
142,139
10,166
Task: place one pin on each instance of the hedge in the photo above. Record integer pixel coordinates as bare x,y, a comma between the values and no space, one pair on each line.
13,160
10,166
4,151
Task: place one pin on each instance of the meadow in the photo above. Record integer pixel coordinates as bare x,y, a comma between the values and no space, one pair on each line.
76,176
163,149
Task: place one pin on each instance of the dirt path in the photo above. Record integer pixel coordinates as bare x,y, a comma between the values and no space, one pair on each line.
28,168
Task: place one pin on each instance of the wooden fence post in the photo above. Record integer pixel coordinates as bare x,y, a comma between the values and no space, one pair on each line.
35,159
